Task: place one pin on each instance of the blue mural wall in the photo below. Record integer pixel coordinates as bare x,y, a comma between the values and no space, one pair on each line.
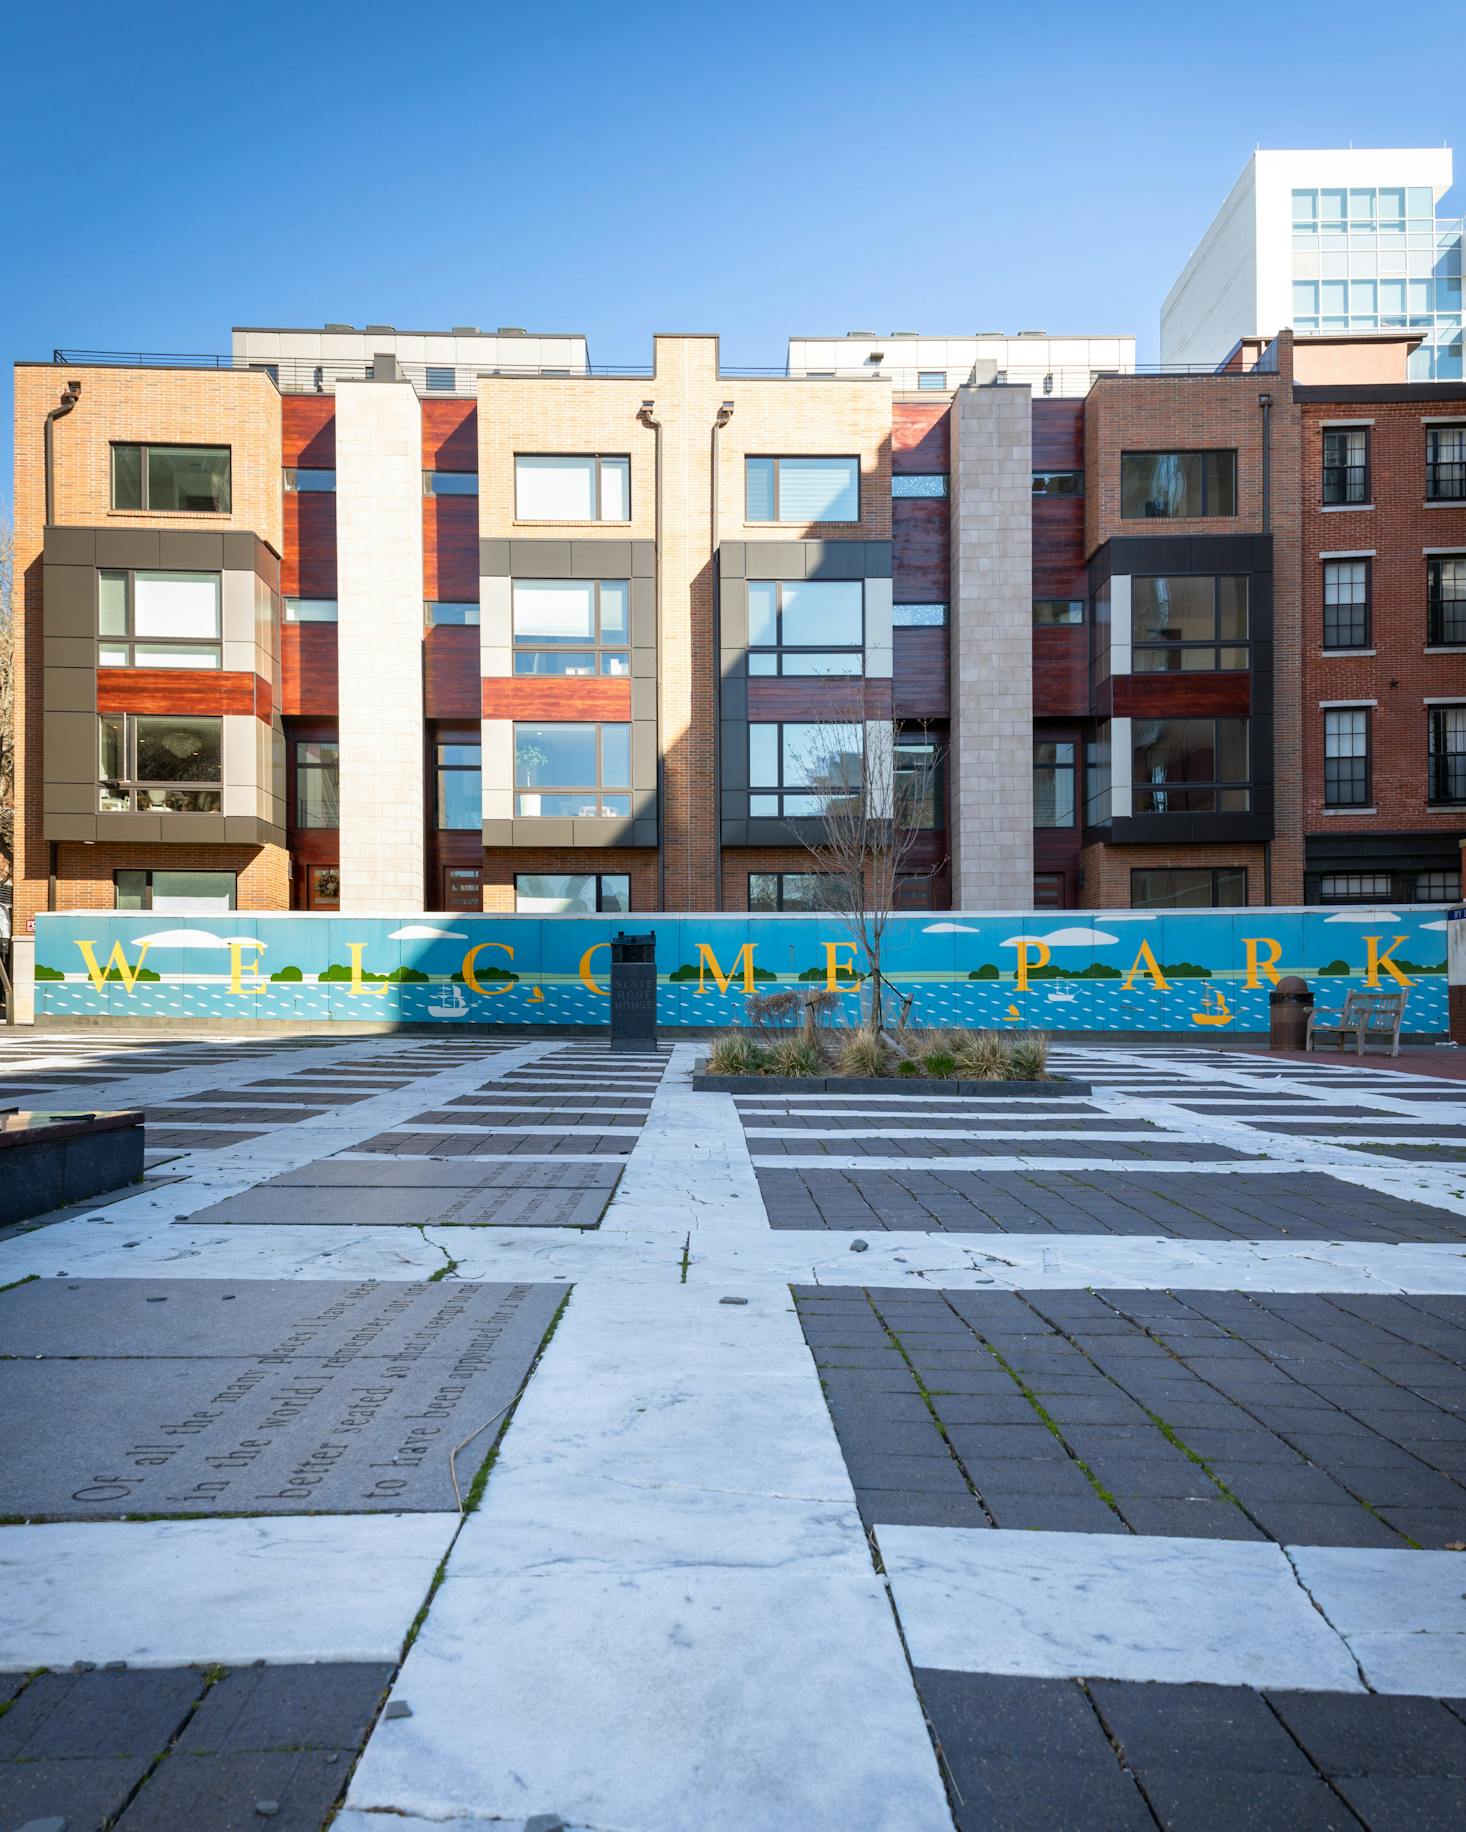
1126,970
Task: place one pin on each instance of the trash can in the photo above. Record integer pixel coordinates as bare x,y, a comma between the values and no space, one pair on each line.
1290,1004
633,991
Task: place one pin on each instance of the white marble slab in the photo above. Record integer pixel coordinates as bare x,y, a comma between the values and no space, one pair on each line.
1104,1606
164,1593
1403,1614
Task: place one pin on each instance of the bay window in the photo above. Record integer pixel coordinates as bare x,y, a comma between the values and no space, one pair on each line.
576,627
797,770
1186,623
159,764
157,619
1190,766
572,770
806,626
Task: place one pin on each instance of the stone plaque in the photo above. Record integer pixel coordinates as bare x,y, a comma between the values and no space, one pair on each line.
633,991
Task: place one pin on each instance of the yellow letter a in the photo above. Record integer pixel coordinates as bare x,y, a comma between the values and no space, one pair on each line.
1145,962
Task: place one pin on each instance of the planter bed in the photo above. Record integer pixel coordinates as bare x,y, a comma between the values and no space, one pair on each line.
1058,1087
48,1160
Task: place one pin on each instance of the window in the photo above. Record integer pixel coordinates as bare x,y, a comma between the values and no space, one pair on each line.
317,783
1438,887
571,893
918,616
571,627
1058,483
1346,604
798,770
160,765
1050,611
171,479
1448,754
572,770
1188,624
178,893
439,611
802,489
806,626
916,773
310,610
1355,887
1445,590
589,489
1190,888
439,381
793,890
460,782
1189,766
917,483
1346,464
1445,464
298,482
931,378
1048,890
1053,783
1346,757
158,619
450,483
1172,485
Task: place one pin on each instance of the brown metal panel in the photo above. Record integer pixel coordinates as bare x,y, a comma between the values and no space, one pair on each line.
451,672
308,432
1058,547
450,435
1060,671
511,697
308,674
920,689
1058,435
308,566
450,555
921,549
921,436
818,701
187,691
1182,696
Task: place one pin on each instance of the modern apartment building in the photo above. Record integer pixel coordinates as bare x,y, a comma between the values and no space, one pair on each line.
917,363
1326,241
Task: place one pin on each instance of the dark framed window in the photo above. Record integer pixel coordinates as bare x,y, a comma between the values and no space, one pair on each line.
571,487
572,893
575,627
806,626
1346,603
157,619
1190,766
1447,755
450,483
1445,592
1168,486
797,770
159,764
317,783
572,770
181,893
1355,887
1188,623
310,610
439,379
299,482
931,378
1445,464
1048,612
439,612
1346,757
916,780
1438,887
458,769
802,489
1345,465
919,483
1199,887
793,890
918,616
1058,483
1053,782
172,479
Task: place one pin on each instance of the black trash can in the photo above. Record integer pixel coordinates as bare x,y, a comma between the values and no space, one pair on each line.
633,991
1290,1005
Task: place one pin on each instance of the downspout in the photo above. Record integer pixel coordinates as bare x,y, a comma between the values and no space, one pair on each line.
724,415
68,400
645,415
1265,402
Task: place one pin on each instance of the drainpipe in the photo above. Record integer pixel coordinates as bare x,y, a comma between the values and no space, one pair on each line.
645,415
68,401
1265,402
724,415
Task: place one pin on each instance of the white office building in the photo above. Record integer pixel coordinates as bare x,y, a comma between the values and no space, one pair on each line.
916,363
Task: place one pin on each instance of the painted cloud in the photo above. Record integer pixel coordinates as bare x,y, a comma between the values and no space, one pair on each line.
1066,938
193,938
424,931
1365,916
950,928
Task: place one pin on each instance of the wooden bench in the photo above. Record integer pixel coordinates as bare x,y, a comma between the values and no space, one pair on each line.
1367,1017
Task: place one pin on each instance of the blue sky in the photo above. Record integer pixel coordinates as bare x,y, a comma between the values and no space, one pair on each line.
757,171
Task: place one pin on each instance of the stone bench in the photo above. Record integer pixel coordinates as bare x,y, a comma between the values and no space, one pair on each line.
48,1160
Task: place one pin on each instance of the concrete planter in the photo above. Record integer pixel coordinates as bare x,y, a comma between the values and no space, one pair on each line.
48,1160
1058,1088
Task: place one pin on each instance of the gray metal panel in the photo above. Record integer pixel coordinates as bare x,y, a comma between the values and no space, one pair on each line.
735,754
70,594
644,615
71,547
878,560
193,829
69,652
192,551
267,564
600,559
70,798
733,617
643,559
130,827
70,827
540,559
239,551
493,557
834,559
69,689
601,831
498,833
735,805
644,832
731,560
543,831
128,546
644,691
69,742
239,829
735,832
644,756
735,694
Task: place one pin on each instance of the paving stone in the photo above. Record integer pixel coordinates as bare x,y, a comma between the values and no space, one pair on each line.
993,1715
409,1206
1386,1803
919,1508
1221,1729
220,1792
1008,1795
98,1714
82,1793
1353,1734
263,1708
1193,1800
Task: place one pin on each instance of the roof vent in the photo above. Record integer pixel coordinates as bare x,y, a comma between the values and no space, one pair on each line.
991,333
465,330
381,330
906,333
340,327
860,333
512,330
1033,333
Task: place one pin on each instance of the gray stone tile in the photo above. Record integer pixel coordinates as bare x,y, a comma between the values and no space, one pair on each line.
85,1794
1196,1800
993,1715
220,1792
293,1707
1364,1734
98,1714
1391,1803
1218,1728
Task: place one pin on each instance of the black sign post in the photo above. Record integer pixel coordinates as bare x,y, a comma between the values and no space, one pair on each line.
633,991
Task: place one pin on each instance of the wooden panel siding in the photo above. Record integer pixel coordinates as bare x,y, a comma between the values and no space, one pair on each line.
308,678
1060,670
920,688
308,432
451,672
191,692
450,548
1182,696
450,435
1058,547
921,435
921,552
508,697
1058,435
308,565
791,697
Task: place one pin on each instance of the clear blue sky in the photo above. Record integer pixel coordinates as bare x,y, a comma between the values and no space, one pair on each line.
755,170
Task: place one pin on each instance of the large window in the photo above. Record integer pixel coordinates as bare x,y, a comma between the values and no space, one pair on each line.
1222,887
1345,465
806,627
1047,612
171,479
458,768
1346,757
571,627
572,893
1173,485
916,782
571,489
572,770
1190,766
1445,590
317,783
1346,586
793,890
158,619
1188,624
176,893
1445,464
1053,783
798,770
1448,754
160,765
802,489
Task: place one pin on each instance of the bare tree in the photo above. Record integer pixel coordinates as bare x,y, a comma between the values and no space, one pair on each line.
7,697
873,793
